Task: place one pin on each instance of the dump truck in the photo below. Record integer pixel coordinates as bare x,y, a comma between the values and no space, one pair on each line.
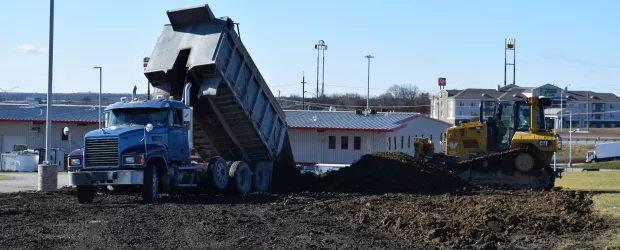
604,152
208,95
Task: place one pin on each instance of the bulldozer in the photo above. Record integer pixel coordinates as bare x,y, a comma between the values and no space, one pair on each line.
511,149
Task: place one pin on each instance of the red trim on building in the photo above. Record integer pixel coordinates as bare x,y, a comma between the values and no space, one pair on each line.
347,129
43,121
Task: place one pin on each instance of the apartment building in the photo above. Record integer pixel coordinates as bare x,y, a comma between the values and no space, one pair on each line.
588,108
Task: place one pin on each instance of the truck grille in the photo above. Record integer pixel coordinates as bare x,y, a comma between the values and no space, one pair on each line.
101,152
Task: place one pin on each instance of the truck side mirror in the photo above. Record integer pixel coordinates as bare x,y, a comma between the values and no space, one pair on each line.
187,118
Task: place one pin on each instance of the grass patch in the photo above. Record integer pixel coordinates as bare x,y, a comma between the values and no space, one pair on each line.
5,177
607,204
603,165
592,181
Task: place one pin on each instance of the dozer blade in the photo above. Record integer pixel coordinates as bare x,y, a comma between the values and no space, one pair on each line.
499,170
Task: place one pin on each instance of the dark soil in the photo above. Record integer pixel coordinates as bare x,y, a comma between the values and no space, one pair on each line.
383,201
484,220
384,172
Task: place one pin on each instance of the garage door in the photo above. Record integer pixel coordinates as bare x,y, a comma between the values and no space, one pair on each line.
8,141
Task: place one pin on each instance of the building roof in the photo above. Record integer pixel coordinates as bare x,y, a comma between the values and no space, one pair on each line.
478,94
348,120
594,96
60,113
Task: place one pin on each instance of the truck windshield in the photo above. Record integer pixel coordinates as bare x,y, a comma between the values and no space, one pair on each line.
137,116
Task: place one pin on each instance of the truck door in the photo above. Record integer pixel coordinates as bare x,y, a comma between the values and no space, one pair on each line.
177,138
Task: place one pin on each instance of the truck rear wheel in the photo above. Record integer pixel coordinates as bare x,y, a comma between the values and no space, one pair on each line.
150,184
241,177
85,193
260,178
217,172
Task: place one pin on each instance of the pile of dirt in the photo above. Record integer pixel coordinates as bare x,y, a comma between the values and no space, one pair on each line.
506,219
392,172
383,172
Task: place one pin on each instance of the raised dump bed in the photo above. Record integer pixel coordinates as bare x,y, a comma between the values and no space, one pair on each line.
235,115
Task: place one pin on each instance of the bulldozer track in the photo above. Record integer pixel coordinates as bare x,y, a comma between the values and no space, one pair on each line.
503,161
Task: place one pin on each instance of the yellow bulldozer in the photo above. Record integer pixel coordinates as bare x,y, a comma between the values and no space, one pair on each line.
511,149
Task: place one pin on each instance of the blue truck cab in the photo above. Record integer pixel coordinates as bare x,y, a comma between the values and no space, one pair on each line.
144,143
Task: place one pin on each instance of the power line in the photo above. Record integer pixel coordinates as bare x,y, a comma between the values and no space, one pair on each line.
354,106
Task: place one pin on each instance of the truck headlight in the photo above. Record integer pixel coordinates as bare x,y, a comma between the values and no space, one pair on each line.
132,160
544,143
75,162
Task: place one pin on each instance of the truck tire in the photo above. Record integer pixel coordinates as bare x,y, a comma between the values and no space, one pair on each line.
85,193
150,185
217,172
260,178
240,176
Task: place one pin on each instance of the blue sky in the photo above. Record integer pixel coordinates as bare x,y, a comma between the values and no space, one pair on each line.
413,42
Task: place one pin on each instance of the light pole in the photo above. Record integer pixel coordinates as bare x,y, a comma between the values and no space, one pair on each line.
570,138
48,119
368,90
100,69
319,46
562,107
48,171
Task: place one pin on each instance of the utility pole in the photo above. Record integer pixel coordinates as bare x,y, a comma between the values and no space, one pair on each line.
368,90
279,99
588,112
303,91
100,69
323,72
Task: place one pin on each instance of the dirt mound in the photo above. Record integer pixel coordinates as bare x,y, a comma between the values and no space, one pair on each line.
491,219
392,172
384,172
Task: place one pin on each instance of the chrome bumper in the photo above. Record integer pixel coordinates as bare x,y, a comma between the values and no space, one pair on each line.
118,177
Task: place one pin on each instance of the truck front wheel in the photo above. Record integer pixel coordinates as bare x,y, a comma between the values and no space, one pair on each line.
150,185
85,193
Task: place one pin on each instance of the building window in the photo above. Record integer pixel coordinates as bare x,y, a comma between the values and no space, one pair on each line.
611,115
584,105
394,142
332,142
389,143
461,104
357,143
408,141
402,142
64,137
461,113
611,106
431,137
344,142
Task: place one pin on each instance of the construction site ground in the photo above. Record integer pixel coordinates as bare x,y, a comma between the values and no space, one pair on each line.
381,202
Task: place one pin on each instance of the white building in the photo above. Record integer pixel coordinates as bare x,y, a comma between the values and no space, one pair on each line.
25,124
341,137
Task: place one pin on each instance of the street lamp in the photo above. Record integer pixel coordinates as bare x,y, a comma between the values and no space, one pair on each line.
368,90
100,69
562,107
